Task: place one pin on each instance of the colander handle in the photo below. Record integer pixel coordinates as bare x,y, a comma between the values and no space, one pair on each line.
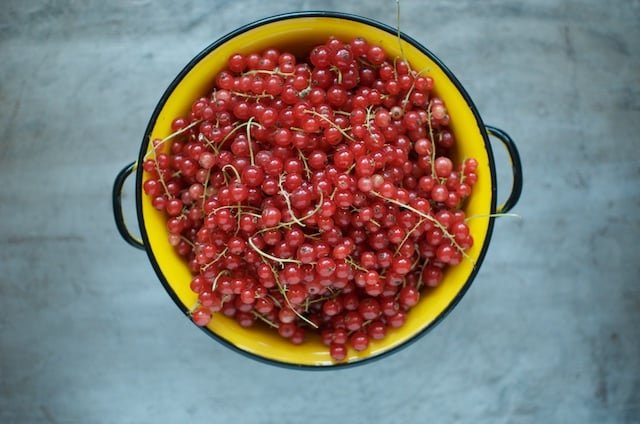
117,206
516,166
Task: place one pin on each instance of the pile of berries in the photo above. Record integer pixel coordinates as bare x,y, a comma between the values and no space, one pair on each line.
314,195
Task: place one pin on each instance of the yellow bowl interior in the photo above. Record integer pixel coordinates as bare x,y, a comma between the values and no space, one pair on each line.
298,35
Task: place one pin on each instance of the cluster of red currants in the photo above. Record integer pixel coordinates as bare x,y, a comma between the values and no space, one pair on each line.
317,194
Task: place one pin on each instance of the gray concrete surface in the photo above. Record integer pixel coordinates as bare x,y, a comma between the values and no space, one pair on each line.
549,332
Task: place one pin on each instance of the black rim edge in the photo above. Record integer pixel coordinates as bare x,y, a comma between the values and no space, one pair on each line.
315,14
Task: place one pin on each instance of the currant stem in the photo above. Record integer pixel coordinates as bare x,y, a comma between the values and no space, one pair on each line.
404,240
462,174
413,265
186,240
405,101
306,304
236,207
354,264
395,62
420,282
287,200
433,143
305,91
264,71
492,215
336,69
289,223
351,168
333,124
398,31
161,178
209,143
268,256
255,215
236,128
437,223
264,319
315,210
252,96
367,63
304,163
204,191
369,118
323,298
249,122
154,148
235,171
283,291
222,273
216,259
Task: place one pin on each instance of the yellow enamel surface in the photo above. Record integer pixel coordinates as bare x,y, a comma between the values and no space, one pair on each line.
297,35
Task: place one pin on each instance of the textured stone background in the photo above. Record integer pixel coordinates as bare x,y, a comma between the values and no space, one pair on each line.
548,333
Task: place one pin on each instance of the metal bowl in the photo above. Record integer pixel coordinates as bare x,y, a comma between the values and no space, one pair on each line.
298,32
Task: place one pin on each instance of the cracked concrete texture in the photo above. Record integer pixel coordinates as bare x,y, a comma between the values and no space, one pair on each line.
547,333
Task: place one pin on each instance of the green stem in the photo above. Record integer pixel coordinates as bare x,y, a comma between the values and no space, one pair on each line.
398,31
235,171
435,222
253,162
216,259
285,194
170,136
415,227
268,256
433,143
420,282
333,124
214,285
264,319
284,294
492,215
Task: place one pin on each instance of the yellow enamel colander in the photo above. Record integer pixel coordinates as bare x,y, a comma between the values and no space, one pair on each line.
297,33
